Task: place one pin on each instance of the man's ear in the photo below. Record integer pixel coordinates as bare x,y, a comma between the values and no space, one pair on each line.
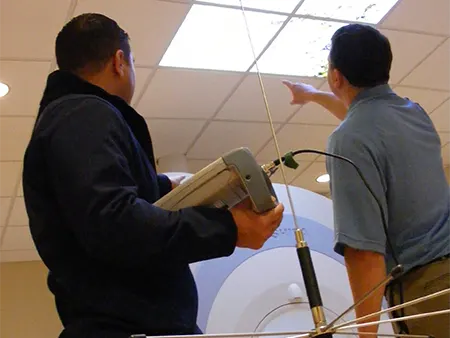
119,63
338,78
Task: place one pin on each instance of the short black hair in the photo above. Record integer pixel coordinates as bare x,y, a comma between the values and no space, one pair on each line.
362,54
88,41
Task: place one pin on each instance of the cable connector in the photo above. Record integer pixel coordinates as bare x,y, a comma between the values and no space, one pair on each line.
269,168
289,160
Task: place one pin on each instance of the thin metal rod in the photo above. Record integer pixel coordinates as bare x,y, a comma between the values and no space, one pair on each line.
396,307
394,335
394,272
299,334
269,115
393,320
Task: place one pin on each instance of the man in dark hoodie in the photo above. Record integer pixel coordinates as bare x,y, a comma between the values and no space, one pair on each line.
118,265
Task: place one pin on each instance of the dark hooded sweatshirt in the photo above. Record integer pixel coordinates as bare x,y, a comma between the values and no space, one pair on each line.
118,265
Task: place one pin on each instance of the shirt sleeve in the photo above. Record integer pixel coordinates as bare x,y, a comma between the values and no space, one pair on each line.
98,198
357,217
165,184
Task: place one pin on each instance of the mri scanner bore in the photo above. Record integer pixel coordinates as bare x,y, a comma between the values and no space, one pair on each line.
263,291
267,303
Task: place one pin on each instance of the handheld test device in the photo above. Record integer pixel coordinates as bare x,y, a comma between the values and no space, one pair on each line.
224,183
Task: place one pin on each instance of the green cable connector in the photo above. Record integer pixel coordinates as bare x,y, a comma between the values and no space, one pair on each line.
289,161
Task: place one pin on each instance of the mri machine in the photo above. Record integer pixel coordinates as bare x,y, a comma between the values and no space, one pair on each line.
263,290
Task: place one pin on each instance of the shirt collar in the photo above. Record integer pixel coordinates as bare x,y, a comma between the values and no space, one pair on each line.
368,94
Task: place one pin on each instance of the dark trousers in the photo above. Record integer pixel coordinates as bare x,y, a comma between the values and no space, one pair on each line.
420,282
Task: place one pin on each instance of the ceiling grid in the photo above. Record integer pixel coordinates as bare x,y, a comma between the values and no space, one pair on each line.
204,110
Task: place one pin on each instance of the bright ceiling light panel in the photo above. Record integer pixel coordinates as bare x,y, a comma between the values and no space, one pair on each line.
4,89
216,38
365,11
301,49
282,6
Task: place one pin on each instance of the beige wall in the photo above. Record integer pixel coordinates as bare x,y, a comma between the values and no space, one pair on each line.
26,305
447,173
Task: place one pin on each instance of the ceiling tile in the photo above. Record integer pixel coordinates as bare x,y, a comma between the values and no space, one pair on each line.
26,81
406,55
434,71
290,173
221,137
19,256
446,154
173,136
29,28
17,238
9,174
247,103
5,202
150,24
307,180
445,138
181,93
441,117
428,99
15,134
296,136
409,15
19,215
20,189
197,165
141,77
313,113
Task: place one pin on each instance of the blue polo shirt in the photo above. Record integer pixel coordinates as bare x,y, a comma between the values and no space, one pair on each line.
394,143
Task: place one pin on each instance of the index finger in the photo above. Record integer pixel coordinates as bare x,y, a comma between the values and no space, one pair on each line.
288,84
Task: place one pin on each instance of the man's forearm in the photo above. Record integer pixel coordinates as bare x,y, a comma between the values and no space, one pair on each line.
331,103
366,270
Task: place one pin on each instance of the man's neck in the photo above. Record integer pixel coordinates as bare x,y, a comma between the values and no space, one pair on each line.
350,94
101,80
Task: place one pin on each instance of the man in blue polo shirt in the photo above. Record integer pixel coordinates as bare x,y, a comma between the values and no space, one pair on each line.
394,143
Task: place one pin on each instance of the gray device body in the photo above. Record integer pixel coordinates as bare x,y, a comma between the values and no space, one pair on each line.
223,184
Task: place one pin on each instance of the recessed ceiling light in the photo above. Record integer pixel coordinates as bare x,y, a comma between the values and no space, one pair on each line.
307,56
4,89
216,38
323,178
301,49
368,11
284,6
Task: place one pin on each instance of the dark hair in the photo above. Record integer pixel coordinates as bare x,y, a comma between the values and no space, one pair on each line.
362,54
88,41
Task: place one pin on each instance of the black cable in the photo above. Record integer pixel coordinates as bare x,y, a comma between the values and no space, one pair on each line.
402,325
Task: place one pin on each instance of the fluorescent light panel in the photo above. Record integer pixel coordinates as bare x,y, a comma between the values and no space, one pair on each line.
301,49
216,38
283,6
364,11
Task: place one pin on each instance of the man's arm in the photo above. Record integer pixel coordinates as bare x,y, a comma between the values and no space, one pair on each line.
365,270
99,201
330,102
165,184
359,233
303,93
